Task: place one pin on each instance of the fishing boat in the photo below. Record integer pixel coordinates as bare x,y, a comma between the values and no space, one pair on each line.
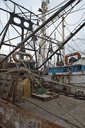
34,67
72,73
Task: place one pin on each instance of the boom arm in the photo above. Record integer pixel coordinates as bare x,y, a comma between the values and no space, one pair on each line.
77,29
58,14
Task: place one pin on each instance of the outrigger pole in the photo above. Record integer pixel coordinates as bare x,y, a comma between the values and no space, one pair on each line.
35,31
80,26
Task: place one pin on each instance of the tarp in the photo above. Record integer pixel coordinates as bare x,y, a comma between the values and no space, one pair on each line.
23,88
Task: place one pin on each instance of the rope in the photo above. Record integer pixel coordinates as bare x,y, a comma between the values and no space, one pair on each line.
51,113
29,72
61,84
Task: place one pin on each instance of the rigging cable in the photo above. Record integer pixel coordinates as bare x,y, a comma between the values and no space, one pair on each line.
60,16
68,12
77,50
55,7
60,22
8,6
75,35
60,7
77,21
50,112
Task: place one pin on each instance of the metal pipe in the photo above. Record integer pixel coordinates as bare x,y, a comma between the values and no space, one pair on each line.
4,28
24,8
13,38
4,10
35,53
49,40
35,31
16,46
4,34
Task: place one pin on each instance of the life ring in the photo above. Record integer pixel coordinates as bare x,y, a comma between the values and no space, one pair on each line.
58,64
71,69
23,54
72,54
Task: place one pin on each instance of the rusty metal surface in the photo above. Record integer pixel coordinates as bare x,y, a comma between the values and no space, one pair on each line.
57,74
14,117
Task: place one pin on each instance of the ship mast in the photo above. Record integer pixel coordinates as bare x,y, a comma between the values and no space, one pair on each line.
44,8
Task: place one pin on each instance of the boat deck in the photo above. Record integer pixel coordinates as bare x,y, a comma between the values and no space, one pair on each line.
74,105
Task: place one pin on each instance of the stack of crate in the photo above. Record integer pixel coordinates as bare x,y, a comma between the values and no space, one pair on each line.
5,85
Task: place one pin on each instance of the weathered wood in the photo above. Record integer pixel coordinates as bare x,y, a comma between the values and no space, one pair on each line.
5,92
45,97
5,82
2,76
8,77
1,87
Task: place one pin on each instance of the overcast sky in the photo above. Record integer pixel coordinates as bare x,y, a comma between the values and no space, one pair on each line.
71,21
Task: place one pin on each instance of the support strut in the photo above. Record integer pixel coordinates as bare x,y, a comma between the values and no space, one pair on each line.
35,31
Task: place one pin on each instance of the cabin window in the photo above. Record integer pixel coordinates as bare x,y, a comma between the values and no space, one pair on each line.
79,68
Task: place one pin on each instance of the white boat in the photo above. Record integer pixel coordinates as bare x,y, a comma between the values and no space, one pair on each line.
70,74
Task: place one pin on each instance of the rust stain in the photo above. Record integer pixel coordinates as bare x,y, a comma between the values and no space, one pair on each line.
13,117
69,82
